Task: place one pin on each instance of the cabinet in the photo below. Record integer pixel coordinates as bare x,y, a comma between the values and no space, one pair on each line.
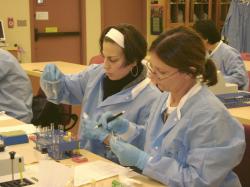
186,12
220,8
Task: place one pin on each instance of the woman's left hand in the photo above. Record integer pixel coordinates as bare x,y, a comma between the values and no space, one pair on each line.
91,132
128,154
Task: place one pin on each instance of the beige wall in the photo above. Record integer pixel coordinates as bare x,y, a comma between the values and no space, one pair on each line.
19,10
93,30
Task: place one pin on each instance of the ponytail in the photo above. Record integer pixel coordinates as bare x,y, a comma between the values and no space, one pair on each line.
210,73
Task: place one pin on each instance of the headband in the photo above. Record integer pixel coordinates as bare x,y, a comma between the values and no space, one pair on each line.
116,36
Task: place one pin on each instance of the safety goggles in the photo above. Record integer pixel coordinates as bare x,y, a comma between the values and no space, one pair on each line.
158,74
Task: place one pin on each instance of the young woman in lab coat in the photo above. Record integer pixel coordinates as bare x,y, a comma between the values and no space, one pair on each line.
119,84
191,139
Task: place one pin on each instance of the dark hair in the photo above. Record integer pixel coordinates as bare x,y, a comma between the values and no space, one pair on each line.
208,30
135,45
182,48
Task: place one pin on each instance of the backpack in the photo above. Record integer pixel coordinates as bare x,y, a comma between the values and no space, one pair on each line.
45,113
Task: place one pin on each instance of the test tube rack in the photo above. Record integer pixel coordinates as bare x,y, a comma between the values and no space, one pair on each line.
57,143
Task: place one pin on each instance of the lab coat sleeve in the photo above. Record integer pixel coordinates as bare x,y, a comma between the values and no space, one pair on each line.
204,156
136,132
4,66
69,89
235,69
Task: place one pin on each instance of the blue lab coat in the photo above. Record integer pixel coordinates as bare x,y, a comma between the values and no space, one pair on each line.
236,27
231,65
15,88
198,149
85,88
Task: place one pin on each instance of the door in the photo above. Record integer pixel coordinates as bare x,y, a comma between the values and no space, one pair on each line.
58,30
130,11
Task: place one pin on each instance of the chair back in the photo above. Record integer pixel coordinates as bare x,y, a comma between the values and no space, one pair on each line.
242,170
98,59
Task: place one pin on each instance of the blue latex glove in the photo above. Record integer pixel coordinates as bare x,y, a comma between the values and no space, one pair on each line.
118,125
51,73
128,154
94,133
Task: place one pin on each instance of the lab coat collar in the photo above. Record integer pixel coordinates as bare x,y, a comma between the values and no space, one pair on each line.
126,95
196,88
216,48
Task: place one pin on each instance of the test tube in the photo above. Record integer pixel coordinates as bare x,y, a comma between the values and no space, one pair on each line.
61,129
52,128
57,147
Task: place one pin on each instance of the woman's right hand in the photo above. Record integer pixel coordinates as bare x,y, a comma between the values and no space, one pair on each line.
118,125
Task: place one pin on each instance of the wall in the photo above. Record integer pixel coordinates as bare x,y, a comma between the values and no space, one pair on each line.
19,10
93,24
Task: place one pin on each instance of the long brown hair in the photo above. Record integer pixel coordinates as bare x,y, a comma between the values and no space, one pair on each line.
135,45
182,48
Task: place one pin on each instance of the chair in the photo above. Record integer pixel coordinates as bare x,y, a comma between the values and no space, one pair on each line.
98,59
245,56
242,170
249,80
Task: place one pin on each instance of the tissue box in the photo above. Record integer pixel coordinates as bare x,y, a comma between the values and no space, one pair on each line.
14,137
5,163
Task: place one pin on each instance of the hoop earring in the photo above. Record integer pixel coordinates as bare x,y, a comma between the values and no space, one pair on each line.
134,71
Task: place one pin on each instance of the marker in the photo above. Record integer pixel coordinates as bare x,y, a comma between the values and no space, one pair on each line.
110,119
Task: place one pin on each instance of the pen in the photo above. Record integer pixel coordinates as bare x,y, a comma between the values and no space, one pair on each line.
110,119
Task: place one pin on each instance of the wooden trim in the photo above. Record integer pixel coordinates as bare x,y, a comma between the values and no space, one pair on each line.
83,46
32,33
187,11
102,15
144,18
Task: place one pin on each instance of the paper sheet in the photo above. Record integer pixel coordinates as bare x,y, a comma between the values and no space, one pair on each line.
30,154
51,173
96,170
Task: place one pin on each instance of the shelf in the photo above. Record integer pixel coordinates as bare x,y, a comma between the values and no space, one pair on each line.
186,12
182,3
200,3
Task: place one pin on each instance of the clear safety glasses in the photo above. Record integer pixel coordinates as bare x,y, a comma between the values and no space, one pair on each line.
158,74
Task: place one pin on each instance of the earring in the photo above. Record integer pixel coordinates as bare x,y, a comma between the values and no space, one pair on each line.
134,71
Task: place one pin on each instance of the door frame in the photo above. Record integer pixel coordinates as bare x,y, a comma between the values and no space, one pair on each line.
83,53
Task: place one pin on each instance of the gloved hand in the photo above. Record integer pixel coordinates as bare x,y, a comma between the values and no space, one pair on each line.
94,133
128,154
51,73
118,125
